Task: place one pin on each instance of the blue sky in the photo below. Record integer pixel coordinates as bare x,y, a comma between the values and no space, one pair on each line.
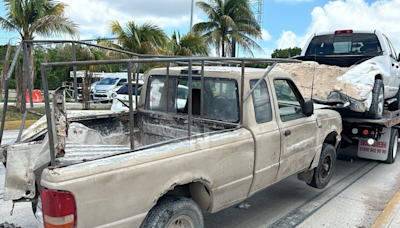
286,23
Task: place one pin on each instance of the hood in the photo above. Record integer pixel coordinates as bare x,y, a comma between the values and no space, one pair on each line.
104,87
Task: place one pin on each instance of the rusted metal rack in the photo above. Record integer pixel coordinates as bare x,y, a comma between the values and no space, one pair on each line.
138,60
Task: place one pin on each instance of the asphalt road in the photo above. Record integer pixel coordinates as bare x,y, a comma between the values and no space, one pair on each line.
355,197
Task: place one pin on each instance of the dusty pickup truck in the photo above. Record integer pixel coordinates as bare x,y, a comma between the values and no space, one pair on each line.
241,139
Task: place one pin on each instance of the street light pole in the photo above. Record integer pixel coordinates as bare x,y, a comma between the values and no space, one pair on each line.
191,18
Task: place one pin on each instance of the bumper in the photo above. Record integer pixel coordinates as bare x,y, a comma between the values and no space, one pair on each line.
335,98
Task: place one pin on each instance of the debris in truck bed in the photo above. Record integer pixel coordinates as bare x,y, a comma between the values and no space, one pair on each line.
325,79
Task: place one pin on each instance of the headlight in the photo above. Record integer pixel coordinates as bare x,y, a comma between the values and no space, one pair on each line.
110,91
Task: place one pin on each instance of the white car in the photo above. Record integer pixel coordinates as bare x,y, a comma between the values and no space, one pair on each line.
120,99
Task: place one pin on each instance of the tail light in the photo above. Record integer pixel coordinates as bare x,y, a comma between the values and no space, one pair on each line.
59,209
343,31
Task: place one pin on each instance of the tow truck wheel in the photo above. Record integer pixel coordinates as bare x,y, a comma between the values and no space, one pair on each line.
378,101
324,171
394,138
175,212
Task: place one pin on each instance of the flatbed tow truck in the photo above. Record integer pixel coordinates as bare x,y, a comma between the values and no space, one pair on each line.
376,139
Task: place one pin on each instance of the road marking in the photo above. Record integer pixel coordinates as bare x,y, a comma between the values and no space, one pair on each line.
388,214
301,213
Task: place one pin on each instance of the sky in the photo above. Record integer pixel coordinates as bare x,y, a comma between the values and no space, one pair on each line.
286,23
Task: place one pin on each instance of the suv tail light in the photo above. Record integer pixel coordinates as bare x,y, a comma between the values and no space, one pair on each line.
59,209
343,31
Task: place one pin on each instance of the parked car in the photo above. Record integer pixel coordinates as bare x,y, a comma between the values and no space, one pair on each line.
108,85
120,99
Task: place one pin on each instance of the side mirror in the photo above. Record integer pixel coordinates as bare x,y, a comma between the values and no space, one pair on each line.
308,107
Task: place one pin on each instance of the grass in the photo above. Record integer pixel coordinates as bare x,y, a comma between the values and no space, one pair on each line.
13,115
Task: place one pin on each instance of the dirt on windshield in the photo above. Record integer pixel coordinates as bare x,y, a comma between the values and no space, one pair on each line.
325,79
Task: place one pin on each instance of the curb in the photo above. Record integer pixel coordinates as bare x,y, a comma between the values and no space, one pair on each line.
15,125
388,214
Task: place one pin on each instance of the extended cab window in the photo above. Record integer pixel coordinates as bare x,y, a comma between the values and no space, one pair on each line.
261,101
289,104
220,97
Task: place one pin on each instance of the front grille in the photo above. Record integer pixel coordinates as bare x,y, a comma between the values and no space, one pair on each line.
100,91
100,95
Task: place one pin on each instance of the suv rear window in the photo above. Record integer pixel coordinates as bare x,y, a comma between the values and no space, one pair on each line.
345,44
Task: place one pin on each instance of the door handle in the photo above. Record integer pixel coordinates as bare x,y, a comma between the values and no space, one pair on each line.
287,133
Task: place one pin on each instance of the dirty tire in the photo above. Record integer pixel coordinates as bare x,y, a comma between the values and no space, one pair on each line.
378,101
392,154
395,105
174,211
8,225
324,171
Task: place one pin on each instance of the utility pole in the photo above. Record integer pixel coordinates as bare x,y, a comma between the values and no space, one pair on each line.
191,18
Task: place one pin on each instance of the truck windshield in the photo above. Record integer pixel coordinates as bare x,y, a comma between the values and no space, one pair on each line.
345,44
108,81
220,97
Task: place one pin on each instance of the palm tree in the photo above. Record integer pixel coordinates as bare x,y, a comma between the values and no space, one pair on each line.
188,45
231,22
142,39
32,18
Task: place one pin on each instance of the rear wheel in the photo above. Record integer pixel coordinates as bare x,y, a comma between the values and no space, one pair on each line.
175,212
392,153
324,171
378,100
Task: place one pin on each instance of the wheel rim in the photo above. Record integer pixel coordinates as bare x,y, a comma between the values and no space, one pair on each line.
326,167
182,221
396,141
380,103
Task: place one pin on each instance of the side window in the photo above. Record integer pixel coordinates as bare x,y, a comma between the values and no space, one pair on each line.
288,102
122,81
392,48
261,101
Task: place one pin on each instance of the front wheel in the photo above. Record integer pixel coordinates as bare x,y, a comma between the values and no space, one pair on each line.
392,153
324,171
378,101
175,212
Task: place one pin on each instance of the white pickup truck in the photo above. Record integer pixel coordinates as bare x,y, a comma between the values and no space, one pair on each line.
234,150
374,75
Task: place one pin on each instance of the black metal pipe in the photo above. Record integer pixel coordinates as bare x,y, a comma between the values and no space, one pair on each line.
202,91
137,84
22,126
74,69
48,115
3,117
190,99
167,88
125,61
242,92
131,117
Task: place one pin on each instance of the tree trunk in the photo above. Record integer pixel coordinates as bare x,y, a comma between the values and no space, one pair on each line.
20,83
223,47
6,66
233,48
32,65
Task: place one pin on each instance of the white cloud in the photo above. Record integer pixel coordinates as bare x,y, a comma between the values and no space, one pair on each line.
265,35
350,14
94,16
289,39
294,1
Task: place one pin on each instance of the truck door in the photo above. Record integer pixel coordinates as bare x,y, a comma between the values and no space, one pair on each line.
298,132
394,70
266,136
